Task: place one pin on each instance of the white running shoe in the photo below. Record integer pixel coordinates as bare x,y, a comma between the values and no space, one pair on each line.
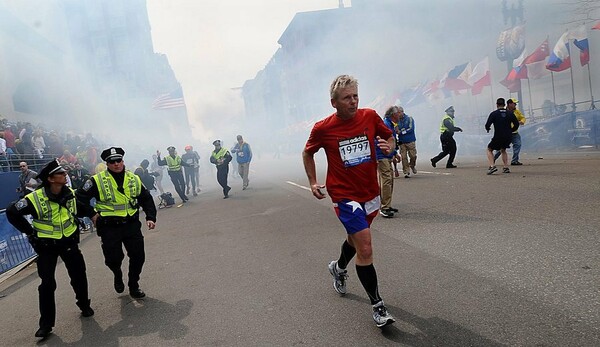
339,278
381,315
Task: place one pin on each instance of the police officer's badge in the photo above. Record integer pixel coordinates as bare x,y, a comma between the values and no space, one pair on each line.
88,184
21,204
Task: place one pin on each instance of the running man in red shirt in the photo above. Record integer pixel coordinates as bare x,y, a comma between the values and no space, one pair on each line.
348,137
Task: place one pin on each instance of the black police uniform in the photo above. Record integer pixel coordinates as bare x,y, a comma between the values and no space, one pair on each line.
117,232
176,176
222,170
48,251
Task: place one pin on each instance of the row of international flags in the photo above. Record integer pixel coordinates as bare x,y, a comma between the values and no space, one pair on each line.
464,77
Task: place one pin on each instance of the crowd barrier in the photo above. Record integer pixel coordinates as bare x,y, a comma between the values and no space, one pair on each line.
14,246
9,182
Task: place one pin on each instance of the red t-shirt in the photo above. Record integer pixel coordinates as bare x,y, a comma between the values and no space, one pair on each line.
349,146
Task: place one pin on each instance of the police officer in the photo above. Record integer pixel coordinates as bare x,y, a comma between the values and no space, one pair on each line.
174,164
54,233
447,130
221,158
119,193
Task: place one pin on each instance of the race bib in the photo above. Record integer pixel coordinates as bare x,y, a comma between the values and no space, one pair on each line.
355,150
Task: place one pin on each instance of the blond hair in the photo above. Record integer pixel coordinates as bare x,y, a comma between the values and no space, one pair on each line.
340,82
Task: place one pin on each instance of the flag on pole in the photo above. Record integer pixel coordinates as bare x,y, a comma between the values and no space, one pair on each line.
435,91
560,58
458,77
480,77
513,86
536,61
170,100
580,41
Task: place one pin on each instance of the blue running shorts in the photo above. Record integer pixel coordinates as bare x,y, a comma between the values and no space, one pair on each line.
357,216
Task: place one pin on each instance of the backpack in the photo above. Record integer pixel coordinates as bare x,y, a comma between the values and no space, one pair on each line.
166,200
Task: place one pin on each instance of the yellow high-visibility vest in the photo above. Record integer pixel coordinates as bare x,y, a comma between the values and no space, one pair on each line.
173,163
442,126
53,220
112,202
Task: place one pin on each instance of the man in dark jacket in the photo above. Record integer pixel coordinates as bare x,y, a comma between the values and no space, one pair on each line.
505,122
54,233
146,177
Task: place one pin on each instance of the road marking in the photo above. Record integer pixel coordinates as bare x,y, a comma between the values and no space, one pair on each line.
297,185
435,173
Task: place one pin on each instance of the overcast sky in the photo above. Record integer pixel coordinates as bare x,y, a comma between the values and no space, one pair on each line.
216,45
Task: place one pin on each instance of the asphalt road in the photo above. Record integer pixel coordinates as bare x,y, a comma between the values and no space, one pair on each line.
471,260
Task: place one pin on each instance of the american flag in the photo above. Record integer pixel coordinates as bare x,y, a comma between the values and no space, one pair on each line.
173,99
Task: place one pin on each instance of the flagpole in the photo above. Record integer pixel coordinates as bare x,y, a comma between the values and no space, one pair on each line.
592,106
553,91
530,100
572,90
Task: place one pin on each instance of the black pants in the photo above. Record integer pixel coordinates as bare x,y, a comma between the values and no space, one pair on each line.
448,148
179,183
114,237
222,173
46,266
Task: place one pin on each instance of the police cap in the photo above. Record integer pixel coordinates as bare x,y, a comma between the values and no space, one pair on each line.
112,153
50,169
216,142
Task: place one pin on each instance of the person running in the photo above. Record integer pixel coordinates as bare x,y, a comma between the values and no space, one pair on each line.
221,157
243,155
348,136
119,194
193,160
447,129
407,139
174,164
504,123
511,105
54,233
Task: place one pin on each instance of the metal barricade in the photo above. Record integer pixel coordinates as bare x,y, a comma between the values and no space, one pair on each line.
14,246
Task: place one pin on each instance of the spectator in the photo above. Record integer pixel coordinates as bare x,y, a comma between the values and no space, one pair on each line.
26,136
27,180
78,175
9,136
39,145
91,158
81,154
3,155
157,172
54,145
146,177
68,157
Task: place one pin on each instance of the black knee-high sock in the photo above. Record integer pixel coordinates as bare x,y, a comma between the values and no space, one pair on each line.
368,278
347,254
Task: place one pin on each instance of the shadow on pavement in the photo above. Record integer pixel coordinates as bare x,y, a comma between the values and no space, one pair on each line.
138,318
412,330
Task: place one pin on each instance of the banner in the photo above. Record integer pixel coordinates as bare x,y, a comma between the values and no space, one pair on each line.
9,182
14,246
